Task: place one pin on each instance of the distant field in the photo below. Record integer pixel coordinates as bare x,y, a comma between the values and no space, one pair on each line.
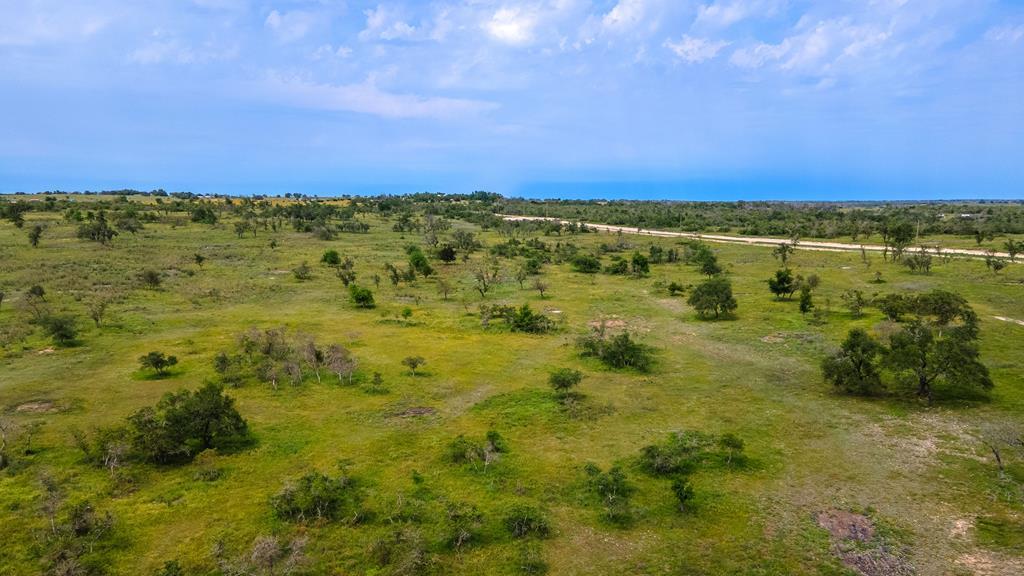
921,477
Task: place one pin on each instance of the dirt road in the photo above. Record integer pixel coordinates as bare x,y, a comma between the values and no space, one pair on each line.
765,241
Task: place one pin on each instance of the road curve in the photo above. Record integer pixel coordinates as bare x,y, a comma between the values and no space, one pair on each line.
760,240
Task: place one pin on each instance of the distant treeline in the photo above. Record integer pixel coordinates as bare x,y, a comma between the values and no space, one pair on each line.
980,219
817,220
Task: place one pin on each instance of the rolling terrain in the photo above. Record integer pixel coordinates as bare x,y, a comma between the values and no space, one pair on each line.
822,482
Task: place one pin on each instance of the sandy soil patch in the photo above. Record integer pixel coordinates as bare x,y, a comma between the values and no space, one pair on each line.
986,563
416,411
1010,320
608,323
961,527
37,407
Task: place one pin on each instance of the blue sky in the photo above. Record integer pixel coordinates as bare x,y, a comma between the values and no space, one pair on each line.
708,99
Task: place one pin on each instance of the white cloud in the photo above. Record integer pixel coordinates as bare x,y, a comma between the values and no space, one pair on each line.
384,23
162,48
366,98
722,14
42,22
1005,34
512,25
289,26
327,52
815,49
625,15
695,50
220,4
758,55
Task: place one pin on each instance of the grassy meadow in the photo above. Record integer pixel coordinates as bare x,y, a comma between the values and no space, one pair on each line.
921,474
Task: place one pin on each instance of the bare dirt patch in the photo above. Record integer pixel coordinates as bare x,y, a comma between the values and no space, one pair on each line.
37,407
877,562
987,563
961,527
843,525
608,323
416,411
798,337
854,542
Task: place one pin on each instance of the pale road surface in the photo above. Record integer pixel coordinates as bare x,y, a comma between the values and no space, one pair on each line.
763,241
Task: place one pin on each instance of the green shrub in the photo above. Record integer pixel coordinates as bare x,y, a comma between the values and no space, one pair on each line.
683,491
524,319
331,258
302,272
680,453
586,263
61,328
564,380
614,492
361,297
317,496
523,521
619,351
618,267
531,560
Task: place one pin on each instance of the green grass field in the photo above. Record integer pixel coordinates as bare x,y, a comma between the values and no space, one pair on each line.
921,475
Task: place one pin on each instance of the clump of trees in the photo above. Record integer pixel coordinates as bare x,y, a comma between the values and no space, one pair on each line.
184,423
936,351
522,319
405,552
418,261
616,351
897,235
317,497
273,356
463,450
99,230
586,264
179,427
921,262
463,523
269,555
78,538
613,490
854,368
524,521
703,257
681,453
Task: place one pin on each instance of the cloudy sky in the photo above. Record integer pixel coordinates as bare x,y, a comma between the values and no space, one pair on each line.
640,98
